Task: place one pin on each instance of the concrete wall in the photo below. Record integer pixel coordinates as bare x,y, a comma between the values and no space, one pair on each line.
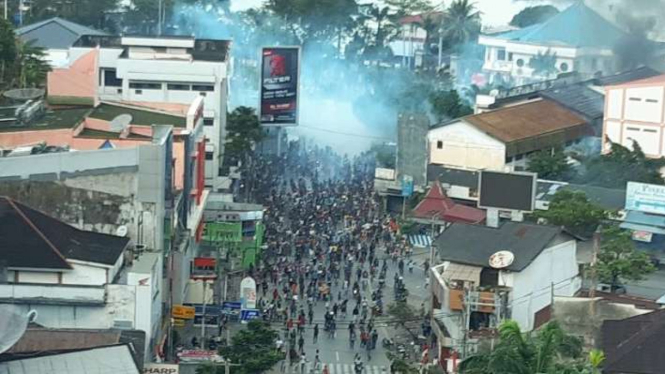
583,317
412,147
532,287
636,114
464,146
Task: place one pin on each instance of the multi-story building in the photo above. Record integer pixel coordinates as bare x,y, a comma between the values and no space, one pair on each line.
472,292
578,38
635,113
77,279
165,73
504,139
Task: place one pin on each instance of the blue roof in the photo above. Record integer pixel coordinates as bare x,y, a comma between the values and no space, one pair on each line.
576,26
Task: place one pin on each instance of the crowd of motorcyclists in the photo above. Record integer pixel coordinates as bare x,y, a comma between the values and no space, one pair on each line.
327,244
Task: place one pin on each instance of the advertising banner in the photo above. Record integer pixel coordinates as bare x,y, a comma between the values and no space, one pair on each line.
182,312
647,198
248,293
279,86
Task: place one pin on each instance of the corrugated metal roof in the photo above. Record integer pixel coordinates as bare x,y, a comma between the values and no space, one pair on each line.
106,360
525,120
579,98
55,33
577,26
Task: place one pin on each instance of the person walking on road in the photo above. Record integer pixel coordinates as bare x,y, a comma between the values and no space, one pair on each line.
316,333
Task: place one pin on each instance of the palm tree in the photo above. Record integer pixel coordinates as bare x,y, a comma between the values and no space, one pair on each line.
549,350
460,23
544,64
31,65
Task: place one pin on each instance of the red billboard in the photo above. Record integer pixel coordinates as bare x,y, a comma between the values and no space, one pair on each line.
279,86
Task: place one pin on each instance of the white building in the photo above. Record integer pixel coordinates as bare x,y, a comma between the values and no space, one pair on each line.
635,112
581,39
504,139
75,278
471,297
171,71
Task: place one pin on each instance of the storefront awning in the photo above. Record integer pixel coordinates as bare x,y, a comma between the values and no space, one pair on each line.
639,221
459,272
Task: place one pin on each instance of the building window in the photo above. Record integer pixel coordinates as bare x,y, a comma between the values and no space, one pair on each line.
209,156
632,129
501,55
145,85
203,87
564,67
594,64
439,144
510,56
208,122
653,101
650,130
519,157
178,87
138,92
520,62
635,99
569,143
110,78
509,160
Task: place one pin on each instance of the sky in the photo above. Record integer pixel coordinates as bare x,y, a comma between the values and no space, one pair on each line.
494,12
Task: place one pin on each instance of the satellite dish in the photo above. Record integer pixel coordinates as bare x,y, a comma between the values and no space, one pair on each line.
13,324
24,94
121,122
121,231
502,259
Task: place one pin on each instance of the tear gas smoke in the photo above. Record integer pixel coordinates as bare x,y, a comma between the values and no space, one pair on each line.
331,87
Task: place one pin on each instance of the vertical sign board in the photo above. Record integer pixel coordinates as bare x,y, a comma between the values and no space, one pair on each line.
407,186
248,293
279,86
647,198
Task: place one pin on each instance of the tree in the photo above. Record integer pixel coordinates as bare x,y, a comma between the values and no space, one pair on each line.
31,65
621,165
533,15
448,104
8,51
544,63
574,212
408,7
316,19
618,260
403,313
86,12
253,348
460,23
550,164
549,350
243,131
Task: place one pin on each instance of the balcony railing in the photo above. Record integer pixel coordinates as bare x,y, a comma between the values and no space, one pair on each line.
54,294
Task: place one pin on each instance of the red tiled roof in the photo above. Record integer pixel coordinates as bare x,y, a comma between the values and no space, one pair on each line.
436,203
419,18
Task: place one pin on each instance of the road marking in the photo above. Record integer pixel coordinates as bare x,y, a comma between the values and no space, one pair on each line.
337,355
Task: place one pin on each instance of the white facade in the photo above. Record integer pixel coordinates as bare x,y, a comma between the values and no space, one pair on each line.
635,112
510,60
87,296
461,145
554,270
163,70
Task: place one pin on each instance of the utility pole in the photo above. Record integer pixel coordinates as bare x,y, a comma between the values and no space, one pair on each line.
159,18
5,9
594,275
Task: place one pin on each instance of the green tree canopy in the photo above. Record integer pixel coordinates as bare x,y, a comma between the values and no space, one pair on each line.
86,12
253,348
544,63
243,131
551,165
31,65
461,23
448,105
533,15
8,52
550,350
620,166
574,212
317,19
618,260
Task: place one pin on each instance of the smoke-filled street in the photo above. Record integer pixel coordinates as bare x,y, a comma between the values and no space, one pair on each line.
332,265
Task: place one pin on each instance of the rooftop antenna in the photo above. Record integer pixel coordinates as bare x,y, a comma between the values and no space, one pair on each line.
119,123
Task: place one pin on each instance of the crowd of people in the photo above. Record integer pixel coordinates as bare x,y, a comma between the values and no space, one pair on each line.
327,244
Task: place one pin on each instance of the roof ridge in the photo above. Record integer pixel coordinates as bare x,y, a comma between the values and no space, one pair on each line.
34,227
